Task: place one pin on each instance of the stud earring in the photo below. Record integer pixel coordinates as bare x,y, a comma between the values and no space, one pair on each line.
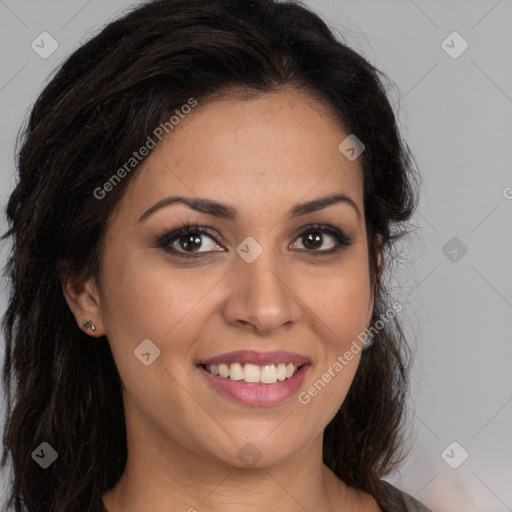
89,325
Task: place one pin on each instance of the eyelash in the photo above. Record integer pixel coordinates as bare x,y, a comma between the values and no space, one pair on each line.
163,240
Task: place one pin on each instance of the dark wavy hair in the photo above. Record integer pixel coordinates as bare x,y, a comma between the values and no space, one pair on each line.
98,108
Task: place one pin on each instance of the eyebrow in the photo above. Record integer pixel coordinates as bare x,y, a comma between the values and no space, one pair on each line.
224,211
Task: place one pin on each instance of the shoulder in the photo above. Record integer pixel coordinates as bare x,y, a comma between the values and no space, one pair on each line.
393,499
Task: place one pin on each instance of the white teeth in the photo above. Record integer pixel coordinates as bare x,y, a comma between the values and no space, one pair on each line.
223,370
236,371
268,374
281,371
252,373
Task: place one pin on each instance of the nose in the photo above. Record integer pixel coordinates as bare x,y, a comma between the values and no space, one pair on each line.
261,296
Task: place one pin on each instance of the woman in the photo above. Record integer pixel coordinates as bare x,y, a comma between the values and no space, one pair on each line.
208,195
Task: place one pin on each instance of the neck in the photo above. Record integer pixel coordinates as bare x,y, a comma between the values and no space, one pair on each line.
155,478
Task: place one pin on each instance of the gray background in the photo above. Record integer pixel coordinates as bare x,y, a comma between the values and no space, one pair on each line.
455,114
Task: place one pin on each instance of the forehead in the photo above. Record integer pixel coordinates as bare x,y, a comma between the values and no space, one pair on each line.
267,152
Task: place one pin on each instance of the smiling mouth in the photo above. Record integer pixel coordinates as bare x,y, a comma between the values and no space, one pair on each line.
252,373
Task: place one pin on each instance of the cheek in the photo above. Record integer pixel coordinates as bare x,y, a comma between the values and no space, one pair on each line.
141,302
340,326
341,304
340,307
150,300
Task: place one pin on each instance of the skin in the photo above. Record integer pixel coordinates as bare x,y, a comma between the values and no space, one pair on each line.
261,156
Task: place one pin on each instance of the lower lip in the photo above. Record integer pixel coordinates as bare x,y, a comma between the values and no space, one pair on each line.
256,393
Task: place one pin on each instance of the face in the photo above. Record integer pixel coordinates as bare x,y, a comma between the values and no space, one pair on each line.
256,282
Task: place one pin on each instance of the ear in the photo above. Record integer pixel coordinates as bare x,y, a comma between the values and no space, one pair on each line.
84,302
374,280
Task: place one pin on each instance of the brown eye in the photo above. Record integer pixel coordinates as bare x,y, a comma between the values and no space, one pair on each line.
189,241
314,238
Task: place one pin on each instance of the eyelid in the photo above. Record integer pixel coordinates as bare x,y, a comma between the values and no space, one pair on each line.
166,235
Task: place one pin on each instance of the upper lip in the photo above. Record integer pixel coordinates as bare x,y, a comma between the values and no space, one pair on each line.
257,358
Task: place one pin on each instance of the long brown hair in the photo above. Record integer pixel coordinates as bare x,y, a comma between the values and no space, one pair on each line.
100,107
